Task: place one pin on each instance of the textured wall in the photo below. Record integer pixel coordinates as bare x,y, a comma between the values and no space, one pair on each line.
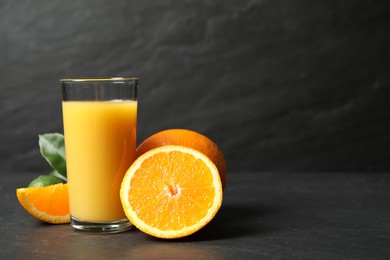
278,84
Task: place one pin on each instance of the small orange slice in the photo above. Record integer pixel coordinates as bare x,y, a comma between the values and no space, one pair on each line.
49,203
171,191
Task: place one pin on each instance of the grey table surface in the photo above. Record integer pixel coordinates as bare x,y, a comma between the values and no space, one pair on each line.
264,216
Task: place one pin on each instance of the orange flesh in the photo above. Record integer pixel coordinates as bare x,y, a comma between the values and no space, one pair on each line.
49,203
167,199
49,200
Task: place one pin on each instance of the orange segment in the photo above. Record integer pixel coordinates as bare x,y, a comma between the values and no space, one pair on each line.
49,203
171,191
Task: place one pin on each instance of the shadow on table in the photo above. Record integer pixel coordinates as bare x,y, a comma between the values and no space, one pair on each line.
234,221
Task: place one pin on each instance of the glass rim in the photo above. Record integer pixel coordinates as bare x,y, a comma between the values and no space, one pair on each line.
98,79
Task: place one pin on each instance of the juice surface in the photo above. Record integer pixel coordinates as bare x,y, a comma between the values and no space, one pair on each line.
100,143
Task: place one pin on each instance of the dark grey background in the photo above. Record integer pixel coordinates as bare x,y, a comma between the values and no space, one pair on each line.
279,85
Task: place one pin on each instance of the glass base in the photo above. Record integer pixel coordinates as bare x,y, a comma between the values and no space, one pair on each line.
100,228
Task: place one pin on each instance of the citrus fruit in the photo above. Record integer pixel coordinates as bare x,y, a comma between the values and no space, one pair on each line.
187,138
48,203
171,191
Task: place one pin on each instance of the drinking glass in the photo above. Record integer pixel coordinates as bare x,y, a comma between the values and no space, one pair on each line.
100,121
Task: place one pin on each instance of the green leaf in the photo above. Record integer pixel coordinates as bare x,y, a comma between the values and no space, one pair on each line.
45,180
58,175
53,150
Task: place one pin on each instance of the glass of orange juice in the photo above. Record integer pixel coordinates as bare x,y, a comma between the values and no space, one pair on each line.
100,119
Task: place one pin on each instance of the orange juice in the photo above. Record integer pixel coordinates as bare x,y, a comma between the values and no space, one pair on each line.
100,143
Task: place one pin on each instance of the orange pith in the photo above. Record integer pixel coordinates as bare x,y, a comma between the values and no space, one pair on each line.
187,138
171,191
49,203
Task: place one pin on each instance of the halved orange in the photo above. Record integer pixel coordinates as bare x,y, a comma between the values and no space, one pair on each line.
48,203
171,191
